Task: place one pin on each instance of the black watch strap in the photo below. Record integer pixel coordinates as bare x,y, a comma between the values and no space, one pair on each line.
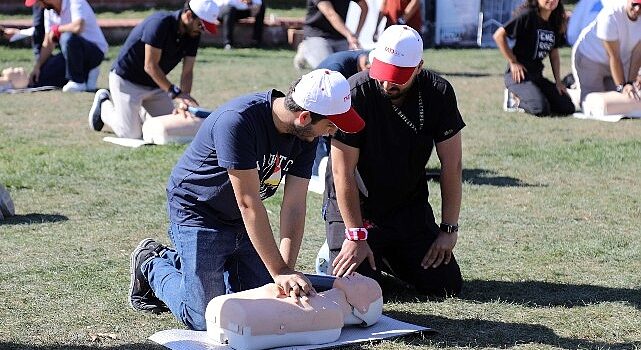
173,91
621,86
448,228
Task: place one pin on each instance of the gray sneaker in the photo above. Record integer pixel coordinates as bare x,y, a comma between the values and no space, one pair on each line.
141,296
95,119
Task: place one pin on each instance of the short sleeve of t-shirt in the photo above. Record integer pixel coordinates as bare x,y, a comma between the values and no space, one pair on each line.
451,120
516,25
76,10
606,26
234,142
155,32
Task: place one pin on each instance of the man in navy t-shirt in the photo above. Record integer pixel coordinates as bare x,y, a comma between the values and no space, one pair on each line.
138,83
219,226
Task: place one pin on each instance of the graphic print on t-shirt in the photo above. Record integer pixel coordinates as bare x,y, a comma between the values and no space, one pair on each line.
544,43
270,173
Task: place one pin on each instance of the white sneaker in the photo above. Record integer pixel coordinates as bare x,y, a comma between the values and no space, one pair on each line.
92,78
72,86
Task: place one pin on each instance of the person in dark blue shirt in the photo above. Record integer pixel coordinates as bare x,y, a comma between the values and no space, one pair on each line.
138,83
218,224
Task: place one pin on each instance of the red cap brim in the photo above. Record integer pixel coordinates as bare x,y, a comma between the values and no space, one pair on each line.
29,3
388,72
349,122
210,27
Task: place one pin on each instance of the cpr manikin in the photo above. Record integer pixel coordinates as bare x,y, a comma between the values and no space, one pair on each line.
264,318
13,78
611,103
173,128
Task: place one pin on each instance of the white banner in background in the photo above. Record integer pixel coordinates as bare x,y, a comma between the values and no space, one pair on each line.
457,22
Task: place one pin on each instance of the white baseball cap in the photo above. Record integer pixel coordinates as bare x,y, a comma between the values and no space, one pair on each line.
398,51
327,93
207,11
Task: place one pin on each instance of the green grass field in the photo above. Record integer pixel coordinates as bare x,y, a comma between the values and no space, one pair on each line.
550,225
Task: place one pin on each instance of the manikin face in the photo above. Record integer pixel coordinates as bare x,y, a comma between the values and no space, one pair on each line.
633,9
549,5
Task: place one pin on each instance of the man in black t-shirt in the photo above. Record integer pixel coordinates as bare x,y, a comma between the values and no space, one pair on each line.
376,205
138,81
325,31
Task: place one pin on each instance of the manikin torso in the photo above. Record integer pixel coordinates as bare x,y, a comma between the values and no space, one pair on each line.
262,317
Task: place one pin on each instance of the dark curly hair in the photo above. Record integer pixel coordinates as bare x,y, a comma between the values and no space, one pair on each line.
558,19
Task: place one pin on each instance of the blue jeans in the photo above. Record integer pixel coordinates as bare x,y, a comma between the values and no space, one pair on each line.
205,263
81,56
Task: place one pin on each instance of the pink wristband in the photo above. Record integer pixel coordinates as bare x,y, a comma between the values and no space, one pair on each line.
356,234
55,29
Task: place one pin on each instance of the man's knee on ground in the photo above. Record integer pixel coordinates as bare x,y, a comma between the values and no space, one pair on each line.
194,320
447,283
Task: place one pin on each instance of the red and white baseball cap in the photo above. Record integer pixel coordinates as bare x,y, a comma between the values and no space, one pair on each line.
327,93
398,51
207,11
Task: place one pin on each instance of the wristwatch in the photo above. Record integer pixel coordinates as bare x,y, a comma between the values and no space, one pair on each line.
620,87
173,91
447,228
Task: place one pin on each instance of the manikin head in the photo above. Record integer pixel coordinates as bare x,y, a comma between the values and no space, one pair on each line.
17,77
397,59
364,295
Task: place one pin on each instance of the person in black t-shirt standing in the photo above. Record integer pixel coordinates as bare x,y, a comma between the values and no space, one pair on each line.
538,29
376,208
138,82
325,31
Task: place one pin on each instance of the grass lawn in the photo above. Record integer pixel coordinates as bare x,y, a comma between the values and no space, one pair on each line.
550,225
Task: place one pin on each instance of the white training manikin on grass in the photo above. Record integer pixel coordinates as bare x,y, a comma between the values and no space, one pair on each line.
264,318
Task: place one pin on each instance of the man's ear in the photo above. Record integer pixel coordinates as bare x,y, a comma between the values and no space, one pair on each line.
420,65
304,118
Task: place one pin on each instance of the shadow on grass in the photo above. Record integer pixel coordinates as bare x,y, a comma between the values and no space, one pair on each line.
535,293
33,218
140,346
485,333
484,177
525,293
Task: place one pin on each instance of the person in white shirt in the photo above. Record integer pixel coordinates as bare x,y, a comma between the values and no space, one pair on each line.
72,24
233,10
607,55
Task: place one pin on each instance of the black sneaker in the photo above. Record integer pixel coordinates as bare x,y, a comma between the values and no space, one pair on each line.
141,296
95,121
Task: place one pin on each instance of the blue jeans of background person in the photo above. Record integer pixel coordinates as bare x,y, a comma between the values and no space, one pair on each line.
81,56
187,277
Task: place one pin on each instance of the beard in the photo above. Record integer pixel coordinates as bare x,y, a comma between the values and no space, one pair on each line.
392,94
305,133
